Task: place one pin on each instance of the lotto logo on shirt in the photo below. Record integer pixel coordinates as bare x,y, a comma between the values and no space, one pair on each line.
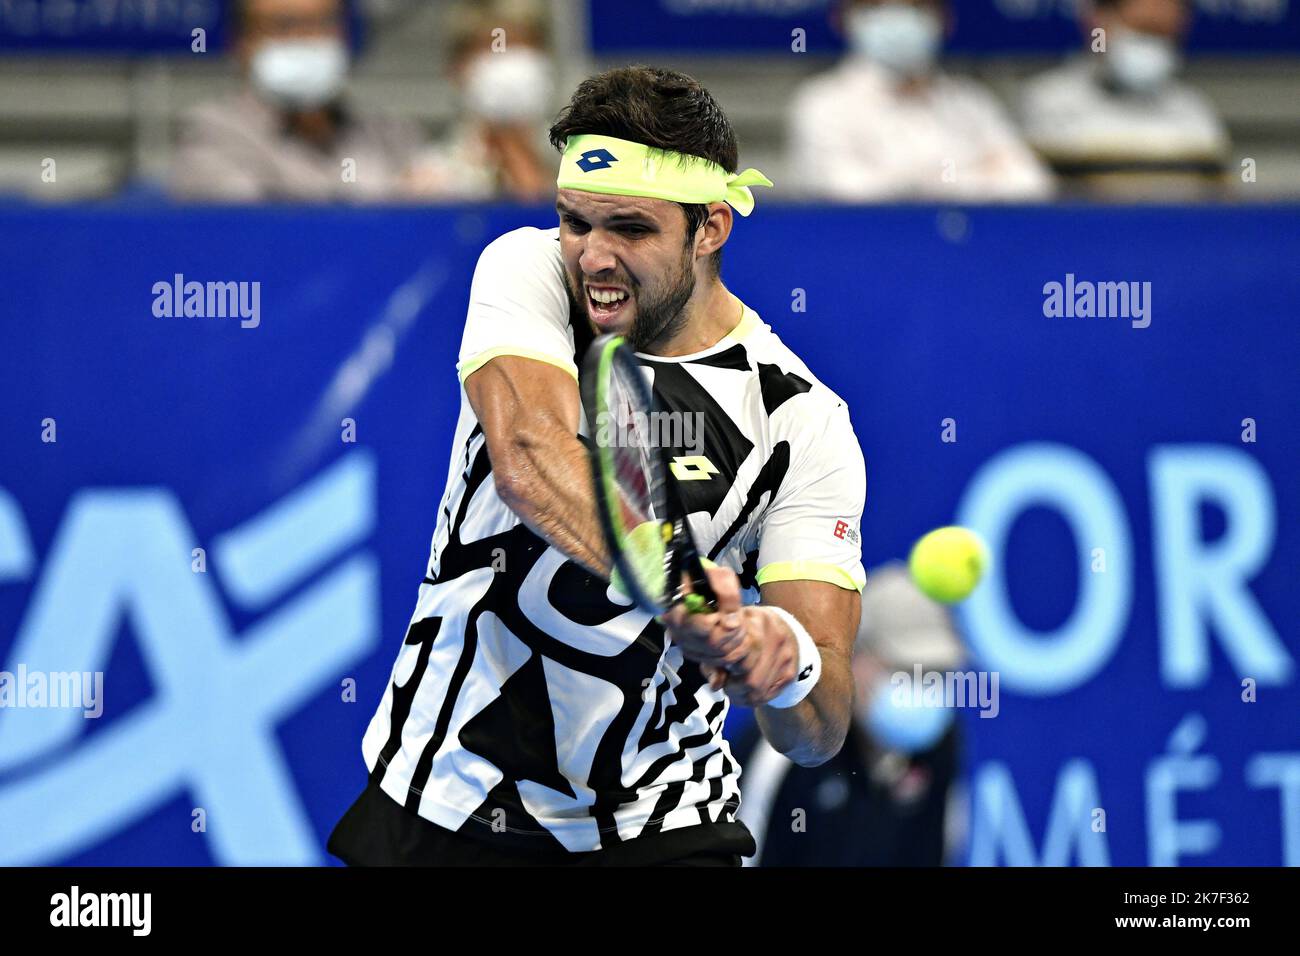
844,530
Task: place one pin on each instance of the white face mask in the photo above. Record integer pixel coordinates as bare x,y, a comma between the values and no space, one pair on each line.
903,38
509,87
300,74
1140,62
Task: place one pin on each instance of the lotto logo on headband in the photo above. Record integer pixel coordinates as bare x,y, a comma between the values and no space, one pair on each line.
641,170
594,159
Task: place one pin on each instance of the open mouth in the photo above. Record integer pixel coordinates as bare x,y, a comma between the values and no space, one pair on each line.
606,304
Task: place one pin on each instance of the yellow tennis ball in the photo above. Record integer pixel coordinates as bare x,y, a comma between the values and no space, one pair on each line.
947,563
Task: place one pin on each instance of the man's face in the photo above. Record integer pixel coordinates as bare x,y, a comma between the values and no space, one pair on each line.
632,250
1165,18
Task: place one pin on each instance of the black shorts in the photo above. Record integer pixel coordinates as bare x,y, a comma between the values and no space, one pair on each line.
378,831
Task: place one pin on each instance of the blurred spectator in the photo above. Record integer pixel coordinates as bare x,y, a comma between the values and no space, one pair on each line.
503,73
1115,120
888,124
290,134
881,801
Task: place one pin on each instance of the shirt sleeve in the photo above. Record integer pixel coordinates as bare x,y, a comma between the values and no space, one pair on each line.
810,532
517,305
1011,169
215,163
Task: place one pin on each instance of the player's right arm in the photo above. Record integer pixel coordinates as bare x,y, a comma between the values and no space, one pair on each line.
529,412
517,369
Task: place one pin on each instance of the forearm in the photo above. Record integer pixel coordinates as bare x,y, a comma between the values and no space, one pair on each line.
549,487
812,731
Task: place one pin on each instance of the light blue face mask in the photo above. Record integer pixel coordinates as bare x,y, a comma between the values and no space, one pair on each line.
904,38
1141,62
909,727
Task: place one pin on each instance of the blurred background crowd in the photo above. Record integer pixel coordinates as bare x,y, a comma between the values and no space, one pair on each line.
432,101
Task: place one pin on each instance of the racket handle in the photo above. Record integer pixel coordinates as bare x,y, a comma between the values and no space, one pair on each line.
701,600
696,604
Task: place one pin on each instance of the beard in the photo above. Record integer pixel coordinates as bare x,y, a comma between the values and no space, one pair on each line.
659,316
662,316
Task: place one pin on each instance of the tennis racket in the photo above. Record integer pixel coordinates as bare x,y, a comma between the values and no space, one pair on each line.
640,509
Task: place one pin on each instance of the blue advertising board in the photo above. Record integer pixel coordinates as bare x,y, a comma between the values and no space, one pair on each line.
223,521
117,27
979,26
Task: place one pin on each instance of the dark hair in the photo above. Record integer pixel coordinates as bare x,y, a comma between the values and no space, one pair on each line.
662,109
239,19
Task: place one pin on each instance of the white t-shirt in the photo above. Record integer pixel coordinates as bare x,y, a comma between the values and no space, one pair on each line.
855,135
521,696
1069,115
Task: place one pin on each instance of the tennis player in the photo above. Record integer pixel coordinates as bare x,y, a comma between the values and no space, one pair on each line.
524,722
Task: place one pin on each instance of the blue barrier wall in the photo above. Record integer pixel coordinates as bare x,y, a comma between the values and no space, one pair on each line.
178,28
978,27
1121,669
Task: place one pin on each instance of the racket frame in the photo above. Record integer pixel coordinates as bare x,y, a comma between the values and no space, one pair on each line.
681,553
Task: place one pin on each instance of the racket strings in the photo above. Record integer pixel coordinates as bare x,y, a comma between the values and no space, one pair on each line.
638,478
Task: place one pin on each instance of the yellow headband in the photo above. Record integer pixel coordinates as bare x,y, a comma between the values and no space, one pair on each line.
605,164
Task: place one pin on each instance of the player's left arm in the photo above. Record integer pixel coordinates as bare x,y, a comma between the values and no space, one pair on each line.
812,731
810,566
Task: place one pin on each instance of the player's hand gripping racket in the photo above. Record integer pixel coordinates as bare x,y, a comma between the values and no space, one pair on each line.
640,510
